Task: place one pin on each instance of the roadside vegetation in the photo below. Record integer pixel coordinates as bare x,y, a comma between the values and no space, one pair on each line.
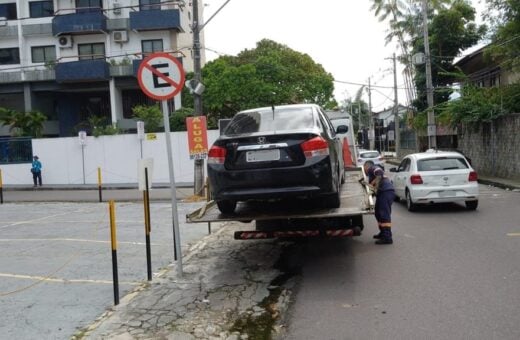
452,29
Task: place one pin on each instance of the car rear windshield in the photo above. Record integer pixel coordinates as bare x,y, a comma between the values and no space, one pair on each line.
267,120
441,163
373,154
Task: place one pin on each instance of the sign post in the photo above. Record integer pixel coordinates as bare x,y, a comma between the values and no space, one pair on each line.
161,77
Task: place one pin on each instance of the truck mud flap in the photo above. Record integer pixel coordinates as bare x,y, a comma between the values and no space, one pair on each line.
331,233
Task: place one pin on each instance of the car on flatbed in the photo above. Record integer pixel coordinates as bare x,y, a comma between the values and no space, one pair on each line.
436,177
277,152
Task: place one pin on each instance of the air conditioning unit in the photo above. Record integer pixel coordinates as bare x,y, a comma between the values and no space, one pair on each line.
116,8
120,36
65,41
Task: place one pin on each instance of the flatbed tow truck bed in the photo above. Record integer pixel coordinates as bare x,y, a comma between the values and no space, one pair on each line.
297,217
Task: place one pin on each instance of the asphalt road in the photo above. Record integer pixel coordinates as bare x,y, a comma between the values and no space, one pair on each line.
55,261
450,274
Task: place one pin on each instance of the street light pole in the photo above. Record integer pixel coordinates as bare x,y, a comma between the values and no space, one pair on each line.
198,181
432,129
397,137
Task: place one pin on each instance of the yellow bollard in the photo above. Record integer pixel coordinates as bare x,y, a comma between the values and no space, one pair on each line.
113,238
99,184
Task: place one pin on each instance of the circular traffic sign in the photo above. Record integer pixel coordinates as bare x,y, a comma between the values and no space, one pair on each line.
160,76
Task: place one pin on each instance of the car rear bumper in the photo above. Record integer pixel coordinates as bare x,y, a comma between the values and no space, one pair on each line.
444,195
306,180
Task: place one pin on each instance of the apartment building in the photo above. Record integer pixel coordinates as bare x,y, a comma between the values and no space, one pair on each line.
72,59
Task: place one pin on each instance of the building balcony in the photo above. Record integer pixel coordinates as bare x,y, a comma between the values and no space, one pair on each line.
37,29
10,77
82,70
8,31
156,20
40,75
79,23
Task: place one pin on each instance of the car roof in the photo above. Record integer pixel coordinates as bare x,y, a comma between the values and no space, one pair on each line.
296,106
435,153
363,150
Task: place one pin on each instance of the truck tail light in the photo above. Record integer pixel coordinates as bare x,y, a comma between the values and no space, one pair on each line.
473,176
216,155
316,146
416,179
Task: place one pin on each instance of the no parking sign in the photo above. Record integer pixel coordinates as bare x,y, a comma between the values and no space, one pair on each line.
161,76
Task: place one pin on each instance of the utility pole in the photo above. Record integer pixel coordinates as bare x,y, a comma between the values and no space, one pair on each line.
198,181
397,137
432,129
371,133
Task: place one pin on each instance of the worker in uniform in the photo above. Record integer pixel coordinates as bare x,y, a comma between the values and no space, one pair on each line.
385,195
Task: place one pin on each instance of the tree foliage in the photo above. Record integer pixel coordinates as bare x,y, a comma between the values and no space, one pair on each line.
504,16
151,115
23,123
451,30
270,74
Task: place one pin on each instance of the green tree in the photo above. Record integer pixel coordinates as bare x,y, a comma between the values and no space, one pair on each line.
452,29
270,74
23,123
504,16
151,115
178,118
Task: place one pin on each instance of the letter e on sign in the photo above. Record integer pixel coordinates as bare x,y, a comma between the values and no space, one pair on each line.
197,137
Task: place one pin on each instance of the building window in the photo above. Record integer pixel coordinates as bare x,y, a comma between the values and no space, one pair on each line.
145,5
43,54
9,56
83,6
40,9
8,11
91,51
151,46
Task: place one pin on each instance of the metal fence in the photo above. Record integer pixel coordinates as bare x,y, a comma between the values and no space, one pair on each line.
15,150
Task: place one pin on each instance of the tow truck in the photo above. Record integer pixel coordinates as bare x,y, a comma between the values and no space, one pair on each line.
297,218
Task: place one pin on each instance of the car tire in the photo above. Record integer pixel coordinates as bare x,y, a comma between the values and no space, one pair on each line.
472,205
409,204
227,206
342,173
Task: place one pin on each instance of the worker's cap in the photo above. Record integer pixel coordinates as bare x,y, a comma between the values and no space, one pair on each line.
375,170
35,157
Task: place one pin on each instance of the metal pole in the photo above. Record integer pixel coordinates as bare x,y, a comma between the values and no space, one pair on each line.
100,189
397,131
148,227
432,129
175,218
371,120
1,189
113,239
198,181
83,161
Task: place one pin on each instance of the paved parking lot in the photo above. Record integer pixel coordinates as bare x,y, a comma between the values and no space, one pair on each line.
55,261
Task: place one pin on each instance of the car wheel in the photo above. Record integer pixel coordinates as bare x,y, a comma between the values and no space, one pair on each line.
471,205
342,173
409,204
227,206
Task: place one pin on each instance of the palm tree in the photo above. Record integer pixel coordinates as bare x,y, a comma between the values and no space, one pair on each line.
23,123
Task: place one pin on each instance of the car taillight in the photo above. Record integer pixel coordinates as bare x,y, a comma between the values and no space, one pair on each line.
416,179
316,146
473,176
216,155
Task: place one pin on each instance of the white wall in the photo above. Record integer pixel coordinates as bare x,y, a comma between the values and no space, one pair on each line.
116,155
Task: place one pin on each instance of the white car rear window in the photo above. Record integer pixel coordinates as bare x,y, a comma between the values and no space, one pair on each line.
441,163
369,154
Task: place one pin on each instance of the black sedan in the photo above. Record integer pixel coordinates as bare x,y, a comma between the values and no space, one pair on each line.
277,152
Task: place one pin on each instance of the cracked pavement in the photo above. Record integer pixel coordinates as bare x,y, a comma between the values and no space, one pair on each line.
226,285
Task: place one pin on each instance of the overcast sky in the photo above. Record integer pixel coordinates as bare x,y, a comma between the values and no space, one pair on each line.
341,35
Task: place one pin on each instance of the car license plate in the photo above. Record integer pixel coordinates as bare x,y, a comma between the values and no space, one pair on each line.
263,155
447,193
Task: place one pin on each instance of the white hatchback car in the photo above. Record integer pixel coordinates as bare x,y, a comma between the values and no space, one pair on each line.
370,155
436,177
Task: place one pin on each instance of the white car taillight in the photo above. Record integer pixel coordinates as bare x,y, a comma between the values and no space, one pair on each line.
473,176
416,179
216,155
316,146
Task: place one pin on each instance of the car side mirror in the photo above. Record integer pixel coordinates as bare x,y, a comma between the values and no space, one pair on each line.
393,170
342,129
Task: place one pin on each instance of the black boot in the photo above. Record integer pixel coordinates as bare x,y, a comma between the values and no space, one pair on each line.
378,235
385,236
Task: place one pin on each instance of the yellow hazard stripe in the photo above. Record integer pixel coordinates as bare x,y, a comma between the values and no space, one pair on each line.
48,279
513,234
385,225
